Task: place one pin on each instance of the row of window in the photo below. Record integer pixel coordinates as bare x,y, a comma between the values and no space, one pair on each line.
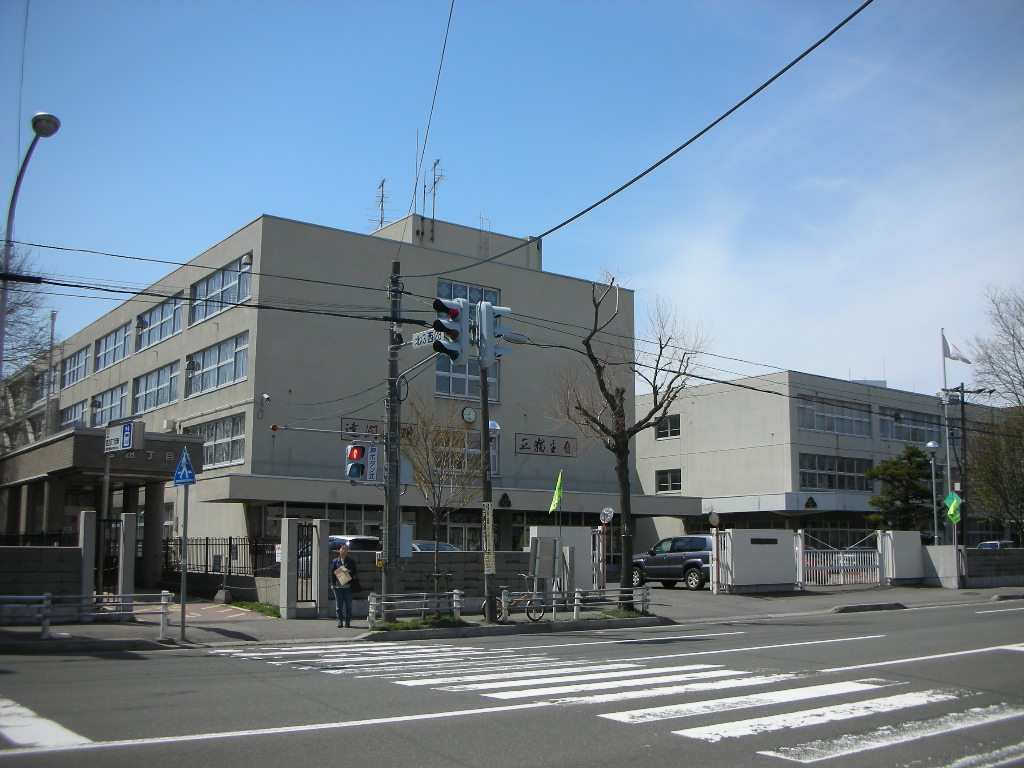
817,472
213,294
211,368
841,418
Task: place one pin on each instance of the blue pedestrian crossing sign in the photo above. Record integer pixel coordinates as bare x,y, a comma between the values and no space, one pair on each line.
184,474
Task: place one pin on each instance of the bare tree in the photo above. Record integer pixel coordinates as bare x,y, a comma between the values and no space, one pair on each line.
27,332
446,463
999,357
660,365
998,472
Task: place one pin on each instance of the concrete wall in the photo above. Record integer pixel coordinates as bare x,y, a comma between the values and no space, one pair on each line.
37,570
993,568
901,555
760,560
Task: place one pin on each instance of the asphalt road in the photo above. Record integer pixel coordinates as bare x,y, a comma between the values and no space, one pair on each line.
929,688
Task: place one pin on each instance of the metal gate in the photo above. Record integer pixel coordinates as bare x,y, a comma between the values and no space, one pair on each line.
831,567
108,554
307,537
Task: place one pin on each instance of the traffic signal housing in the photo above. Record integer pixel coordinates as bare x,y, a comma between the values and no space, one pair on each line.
490,332
355,461
452,326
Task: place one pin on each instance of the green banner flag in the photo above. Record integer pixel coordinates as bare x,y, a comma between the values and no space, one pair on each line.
557,498
953,501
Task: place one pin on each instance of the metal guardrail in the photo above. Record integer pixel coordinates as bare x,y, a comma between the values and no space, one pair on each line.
46,608
574,601
419,604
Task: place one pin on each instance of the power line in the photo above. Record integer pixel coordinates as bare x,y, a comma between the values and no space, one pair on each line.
670,155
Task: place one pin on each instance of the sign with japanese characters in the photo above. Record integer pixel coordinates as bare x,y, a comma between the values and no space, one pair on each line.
546,445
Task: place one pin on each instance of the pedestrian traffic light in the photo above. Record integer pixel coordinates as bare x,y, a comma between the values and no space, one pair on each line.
355,461
452,328
490,332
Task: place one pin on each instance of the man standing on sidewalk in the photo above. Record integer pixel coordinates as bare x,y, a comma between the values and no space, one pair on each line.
343,571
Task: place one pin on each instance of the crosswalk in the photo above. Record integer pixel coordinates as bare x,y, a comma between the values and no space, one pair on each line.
713,701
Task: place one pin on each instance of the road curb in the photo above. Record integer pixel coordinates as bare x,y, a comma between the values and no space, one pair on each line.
868,607
535,628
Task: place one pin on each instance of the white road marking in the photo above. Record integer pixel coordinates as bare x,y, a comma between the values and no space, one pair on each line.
652,714
632,641
670,690
755,648
600,671
21,726
269,731
933,657
999,758
851,744
831,714
1001,610
605,685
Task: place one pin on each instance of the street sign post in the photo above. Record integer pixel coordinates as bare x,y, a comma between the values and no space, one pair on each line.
184,475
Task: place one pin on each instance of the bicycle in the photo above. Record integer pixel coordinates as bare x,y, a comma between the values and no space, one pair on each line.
533,604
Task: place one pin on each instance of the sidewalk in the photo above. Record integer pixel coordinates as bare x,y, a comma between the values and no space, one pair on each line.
215,625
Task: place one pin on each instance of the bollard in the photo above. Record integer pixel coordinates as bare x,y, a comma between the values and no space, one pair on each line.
165,611
504,606
371,610
645,598
44,627
577,604
457,604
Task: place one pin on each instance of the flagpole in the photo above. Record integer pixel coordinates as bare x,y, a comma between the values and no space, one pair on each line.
945,413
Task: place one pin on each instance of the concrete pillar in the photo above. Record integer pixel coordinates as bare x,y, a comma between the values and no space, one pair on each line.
8,511
320,562
54,496
152,536
128,545
23,509
288,601
87,544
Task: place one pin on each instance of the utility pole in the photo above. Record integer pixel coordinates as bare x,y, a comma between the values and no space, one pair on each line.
392,510
488,506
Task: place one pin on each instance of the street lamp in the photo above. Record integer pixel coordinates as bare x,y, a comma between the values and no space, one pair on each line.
44,125
932,447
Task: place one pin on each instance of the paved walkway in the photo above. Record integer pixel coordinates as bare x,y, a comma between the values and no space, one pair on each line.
213,624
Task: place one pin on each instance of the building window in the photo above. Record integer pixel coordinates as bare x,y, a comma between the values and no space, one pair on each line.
156,388
161,321
74,368
668,427
463,379
222,290
111,348
668,480
835,416
833,473
908,426
223,440
109,406
217,366
73,416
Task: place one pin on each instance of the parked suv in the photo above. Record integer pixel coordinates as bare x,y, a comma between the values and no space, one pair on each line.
679,558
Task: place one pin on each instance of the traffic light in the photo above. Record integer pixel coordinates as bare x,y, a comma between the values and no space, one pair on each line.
452,326
355,461
490,332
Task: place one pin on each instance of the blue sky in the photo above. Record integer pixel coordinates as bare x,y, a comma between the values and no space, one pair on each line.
833,225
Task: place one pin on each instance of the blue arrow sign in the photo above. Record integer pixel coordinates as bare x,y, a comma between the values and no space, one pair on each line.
184,474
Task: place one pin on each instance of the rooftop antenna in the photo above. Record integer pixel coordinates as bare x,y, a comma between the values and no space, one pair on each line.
381,199
438,177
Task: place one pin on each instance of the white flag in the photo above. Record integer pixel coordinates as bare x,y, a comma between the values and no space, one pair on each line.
950,351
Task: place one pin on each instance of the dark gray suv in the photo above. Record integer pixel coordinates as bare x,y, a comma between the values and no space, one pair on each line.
679,558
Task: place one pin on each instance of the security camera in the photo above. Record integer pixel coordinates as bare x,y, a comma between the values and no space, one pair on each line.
266,399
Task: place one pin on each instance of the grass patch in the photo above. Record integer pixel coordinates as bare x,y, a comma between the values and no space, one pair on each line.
618,613
265,608
430,622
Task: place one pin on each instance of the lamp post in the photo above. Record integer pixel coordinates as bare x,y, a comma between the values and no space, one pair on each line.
932,447
44,125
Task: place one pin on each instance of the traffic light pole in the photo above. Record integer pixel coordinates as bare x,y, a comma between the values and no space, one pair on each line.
490,614
392,513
